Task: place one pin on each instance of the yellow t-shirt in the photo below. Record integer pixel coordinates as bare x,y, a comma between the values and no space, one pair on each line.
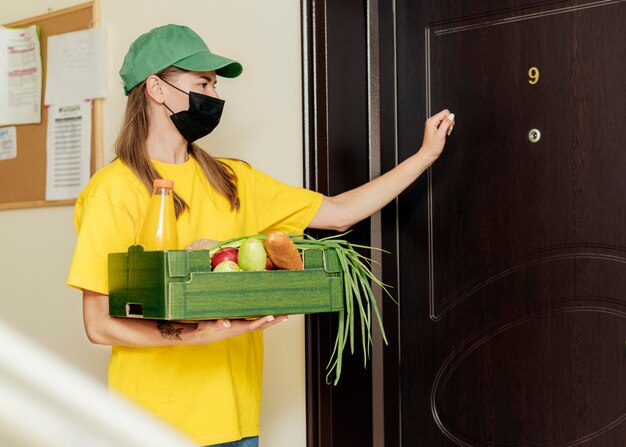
212,392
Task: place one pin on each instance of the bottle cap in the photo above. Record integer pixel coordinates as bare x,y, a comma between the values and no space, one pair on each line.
162,183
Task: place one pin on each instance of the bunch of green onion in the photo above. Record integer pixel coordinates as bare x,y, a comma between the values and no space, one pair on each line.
358,294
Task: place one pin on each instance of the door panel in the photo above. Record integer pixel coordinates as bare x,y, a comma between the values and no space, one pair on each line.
496,169
336,142
513,253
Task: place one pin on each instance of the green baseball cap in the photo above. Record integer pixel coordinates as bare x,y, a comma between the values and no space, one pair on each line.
170,45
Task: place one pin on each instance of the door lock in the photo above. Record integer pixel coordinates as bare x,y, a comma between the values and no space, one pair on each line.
534,135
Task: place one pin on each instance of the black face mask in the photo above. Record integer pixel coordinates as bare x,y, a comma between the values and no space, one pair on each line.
202,117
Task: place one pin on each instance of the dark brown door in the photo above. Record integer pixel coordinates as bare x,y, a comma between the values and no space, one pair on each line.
512,251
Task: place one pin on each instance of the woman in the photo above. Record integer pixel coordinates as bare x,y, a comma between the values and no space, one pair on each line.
204,378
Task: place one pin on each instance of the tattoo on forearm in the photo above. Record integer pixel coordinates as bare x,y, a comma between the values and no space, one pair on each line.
168,331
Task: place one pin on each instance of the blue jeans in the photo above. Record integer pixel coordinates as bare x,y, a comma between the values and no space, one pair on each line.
245,442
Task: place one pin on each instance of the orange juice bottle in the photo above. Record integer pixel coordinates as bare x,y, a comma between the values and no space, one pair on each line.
159,226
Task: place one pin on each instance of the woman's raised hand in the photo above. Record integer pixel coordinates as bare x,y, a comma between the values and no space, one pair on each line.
436,129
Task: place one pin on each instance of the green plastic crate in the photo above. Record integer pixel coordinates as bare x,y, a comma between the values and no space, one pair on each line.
179,285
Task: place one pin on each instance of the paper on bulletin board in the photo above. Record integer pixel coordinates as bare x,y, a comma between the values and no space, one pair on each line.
20,76
76,67
8,143
68,150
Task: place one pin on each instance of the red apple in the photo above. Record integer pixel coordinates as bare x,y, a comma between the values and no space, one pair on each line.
269,265
224,254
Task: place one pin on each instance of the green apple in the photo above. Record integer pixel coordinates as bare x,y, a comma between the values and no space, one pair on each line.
226,266
252,255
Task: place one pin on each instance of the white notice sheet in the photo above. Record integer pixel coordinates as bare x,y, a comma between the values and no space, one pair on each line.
76,67
20,76
8,143
68,150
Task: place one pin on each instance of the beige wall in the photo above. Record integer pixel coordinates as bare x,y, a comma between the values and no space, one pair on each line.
262,124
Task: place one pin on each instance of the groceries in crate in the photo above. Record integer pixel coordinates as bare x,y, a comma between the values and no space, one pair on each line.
181,284
273,251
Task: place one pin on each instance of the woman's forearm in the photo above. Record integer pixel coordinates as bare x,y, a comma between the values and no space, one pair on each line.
103,329
344,210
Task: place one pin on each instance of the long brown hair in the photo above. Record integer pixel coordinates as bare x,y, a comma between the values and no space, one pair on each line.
130,147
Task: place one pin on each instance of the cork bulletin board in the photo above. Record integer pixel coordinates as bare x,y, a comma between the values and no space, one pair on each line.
23,178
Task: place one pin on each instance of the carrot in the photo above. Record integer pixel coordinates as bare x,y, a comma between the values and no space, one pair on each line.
282,251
